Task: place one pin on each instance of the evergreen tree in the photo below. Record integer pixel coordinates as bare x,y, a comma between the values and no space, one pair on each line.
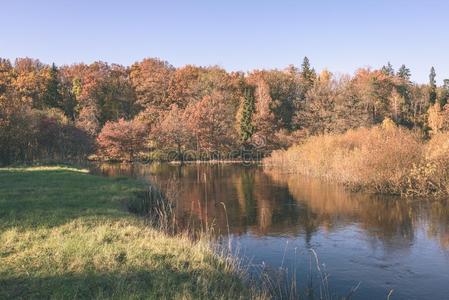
404,73
52,97
307,73
388,69
433,86
404,87
444,97
246,117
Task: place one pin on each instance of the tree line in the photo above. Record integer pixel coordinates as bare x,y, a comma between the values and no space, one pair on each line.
151,108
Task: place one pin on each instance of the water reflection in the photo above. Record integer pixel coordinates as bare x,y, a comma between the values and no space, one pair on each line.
272,203
386,241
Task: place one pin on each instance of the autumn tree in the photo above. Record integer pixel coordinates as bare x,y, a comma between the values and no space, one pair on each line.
265,124
397,103
350,107
172,132
438,118
29,81
374,88
87,120
86,81
184,86
122,140
285,94
318,114
211,120
101,93
116,96
6,76
150,80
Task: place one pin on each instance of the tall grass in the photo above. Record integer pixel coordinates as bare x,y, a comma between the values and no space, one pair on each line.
431,176
382,159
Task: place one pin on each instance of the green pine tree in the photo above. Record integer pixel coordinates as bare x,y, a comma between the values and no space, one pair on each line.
444,98
433,86
52,97
246,125
404,73
388,69
307,72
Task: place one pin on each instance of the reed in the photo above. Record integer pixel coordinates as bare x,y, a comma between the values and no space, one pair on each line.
383,159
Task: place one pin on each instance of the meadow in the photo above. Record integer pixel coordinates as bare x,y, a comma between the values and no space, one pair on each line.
67,234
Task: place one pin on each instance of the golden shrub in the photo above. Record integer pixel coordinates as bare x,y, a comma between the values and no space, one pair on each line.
378,158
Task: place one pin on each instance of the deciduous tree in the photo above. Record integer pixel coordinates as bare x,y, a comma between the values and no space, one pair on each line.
122,140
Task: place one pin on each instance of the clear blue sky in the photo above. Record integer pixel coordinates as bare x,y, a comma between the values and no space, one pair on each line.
237,35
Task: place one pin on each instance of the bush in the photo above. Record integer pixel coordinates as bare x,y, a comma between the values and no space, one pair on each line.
29,135
382,159
432,175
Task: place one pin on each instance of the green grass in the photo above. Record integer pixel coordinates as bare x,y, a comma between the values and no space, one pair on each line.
65,234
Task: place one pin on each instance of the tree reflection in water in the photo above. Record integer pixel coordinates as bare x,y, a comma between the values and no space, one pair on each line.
267,203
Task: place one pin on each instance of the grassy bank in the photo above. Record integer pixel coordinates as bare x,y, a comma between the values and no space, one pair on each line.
65,234
382,159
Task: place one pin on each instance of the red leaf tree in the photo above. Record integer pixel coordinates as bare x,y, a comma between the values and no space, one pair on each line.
122,140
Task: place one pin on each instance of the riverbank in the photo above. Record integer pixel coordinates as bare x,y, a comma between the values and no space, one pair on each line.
66,234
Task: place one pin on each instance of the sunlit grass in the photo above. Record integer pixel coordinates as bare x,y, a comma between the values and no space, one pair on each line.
65,234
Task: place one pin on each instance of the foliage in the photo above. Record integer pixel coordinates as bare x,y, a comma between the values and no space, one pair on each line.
246,115
432,86
122,140
29,135
194,108
383,159
404,73
211,120
173,131
438,118
388,69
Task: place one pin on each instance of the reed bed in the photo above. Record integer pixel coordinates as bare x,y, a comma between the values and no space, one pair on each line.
383,159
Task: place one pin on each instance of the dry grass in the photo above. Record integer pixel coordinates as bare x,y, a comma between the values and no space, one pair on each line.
431,176
383,159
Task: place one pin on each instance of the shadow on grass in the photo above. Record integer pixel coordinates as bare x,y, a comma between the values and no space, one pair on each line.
140,284
48,198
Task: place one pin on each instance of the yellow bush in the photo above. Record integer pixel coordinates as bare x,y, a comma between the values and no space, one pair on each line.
378,159
432,176
384,159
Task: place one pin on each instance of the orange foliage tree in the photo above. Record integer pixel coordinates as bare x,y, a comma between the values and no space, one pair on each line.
122,140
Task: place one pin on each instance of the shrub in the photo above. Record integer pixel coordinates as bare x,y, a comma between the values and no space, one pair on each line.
28,135
378,159
432,175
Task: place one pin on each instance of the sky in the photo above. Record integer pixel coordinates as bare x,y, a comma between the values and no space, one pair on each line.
339,35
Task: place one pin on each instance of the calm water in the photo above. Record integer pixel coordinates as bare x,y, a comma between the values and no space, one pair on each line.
274,219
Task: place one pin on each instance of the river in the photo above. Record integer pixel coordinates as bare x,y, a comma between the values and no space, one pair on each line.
374,244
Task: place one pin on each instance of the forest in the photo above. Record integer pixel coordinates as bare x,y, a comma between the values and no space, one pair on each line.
152,110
